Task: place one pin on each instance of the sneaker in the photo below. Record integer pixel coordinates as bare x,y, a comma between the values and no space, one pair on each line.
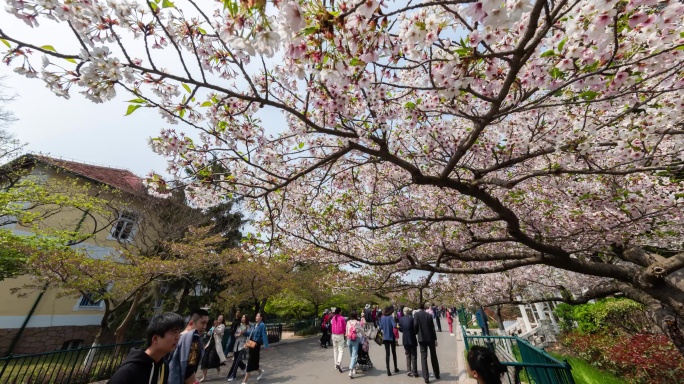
232,378
261,375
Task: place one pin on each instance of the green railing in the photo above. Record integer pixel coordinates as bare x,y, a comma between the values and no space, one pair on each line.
526,363
73,366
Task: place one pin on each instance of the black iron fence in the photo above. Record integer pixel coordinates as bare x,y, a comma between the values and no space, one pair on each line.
73,366
307,327
274,332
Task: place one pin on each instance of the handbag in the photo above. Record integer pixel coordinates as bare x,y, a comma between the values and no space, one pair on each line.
378,338
251,344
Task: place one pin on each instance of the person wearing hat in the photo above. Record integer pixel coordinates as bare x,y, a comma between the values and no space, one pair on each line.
325,327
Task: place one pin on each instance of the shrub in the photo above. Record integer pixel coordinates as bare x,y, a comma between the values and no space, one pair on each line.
605,316
646,358
641,358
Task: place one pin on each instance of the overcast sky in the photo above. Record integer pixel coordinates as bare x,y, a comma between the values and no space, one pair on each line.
79,129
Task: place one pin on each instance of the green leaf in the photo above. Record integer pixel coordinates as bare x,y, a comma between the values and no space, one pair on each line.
548,53
137,101
154,6
562,44
301,145
6,43
131,109
206,104
410,105
355,62
202,31
463,51
187,87
588,95
49,48
70,60
167,4
556,73
310,30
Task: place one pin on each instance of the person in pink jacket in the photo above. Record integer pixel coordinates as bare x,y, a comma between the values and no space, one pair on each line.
337,328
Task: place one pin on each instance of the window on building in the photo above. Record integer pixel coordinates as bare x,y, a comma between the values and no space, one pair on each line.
72,344
124,227
87,302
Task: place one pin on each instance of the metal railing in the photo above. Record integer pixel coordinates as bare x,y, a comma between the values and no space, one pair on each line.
307,326
524,361
274,332
73,366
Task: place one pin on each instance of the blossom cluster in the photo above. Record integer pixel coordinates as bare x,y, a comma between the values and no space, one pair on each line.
426,136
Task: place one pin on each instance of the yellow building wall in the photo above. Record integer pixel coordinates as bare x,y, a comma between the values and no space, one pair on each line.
68,219
50,304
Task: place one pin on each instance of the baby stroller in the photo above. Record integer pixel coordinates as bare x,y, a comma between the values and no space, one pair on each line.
363,360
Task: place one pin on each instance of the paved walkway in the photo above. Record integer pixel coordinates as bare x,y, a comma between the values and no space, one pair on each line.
302,360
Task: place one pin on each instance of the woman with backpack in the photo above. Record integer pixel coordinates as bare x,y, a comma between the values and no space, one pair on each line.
354,334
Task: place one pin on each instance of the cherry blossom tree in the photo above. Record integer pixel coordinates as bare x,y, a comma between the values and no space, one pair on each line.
457,137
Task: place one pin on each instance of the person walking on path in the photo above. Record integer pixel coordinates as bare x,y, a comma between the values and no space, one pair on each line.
213,353
259,335
387,325
186,357
354,334
239,350
484,366
408,338
148,366
368,317
450,321
230,346
338,327
427,339
325,327
435,316
395,330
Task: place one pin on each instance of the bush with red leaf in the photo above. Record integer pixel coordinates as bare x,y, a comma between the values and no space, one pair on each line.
640,358
646,358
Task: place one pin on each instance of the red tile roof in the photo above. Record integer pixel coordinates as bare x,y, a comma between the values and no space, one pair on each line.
121,179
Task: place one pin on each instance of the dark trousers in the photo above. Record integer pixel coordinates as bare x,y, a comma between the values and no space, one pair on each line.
237,363
411,358
433,357
439,324
325,339
390,345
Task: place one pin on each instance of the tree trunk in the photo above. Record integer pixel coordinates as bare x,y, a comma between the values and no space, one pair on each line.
499,318
103,333
120,333
667,321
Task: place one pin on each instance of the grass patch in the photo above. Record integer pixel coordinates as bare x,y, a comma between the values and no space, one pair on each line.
585,373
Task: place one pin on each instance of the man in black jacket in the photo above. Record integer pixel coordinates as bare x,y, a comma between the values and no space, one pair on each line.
427,338
408,339
148,366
